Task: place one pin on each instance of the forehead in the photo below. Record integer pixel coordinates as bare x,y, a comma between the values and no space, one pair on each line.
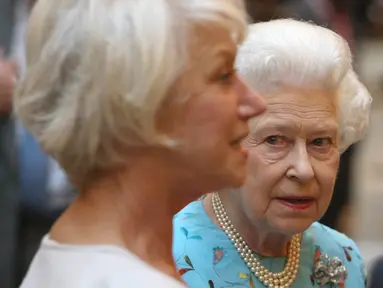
212,41
211,48
308,110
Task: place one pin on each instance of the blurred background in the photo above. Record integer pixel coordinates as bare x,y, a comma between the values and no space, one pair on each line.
34,191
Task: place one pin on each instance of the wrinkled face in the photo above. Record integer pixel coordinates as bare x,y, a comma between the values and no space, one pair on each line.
212,120
293,161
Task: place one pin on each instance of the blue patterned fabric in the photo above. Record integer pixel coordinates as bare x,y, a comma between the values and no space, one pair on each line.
205,256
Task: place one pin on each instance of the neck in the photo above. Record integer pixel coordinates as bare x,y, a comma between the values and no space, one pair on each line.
259,239
133,210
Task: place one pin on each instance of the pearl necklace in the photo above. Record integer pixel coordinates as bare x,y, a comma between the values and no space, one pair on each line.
269,279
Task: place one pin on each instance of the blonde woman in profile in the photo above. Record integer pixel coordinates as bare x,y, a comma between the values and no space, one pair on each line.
266,233
139,102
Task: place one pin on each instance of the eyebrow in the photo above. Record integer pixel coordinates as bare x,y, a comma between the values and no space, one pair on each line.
223,51
222,57
278,124
282,125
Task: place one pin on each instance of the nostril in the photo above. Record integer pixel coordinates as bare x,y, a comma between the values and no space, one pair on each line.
293,177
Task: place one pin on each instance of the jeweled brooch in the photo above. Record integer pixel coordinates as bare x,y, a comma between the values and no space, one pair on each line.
329,271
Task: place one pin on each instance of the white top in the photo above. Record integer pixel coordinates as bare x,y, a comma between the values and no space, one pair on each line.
95,266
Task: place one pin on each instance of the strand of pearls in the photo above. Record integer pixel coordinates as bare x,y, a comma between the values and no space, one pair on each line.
282,279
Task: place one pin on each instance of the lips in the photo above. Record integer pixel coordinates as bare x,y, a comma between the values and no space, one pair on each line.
238,147
296,203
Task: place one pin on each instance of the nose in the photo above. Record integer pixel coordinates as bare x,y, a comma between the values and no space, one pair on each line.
301,168
251,104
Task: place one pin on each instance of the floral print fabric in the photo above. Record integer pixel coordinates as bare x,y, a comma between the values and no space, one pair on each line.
205,256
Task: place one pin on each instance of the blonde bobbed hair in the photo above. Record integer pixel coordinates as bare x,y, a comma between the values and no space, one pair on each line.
98,71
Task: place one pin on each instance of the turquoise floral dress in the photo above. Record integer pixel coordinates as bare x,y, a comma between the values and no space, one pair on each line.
205,256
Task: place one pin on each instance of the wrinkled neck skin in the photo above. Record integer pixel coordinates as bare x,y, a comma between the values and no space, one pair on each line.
130,209
259,239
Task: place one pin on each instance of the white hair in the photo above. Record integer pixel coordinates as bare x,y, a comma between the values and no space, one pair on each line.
286,53
97,71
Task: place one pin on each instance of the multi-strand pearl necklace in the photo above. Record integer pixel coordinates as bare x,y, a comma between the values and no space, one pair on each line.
282,279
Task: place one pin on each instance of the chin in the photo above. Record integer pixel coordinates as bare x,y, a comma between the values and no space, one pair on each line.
228,182
237,178
229,173
293,226
238,174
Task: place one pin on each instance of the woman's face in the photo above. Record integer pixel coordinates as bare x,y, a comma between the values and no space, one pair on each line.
293,161
212,121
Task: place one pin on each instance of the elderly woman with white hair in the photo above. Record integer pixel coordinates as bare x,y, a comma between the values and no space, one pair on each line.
266,233
139,102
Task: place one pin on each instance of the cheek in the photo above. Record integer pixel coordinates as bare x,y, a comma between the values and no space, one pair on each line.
326,173
200,128
270,155
259,189
255,202
212,116
266,167
262,175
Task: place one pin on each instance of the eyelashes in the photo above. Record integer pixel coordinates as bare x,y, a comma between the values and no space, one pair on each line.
276,140
324,141
227,77
280,141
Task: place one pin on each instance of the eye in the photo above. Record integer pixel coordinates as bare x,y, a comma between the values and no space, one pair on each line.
322,142
276,140
227,77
